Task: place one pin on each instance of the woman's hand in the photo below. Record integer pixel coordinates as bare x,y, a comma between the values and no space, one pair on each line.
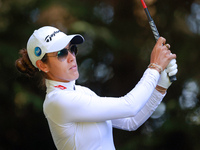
161,55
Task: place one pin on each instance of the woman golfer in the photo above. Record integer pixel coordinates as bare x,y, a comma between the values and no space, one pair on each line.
78,118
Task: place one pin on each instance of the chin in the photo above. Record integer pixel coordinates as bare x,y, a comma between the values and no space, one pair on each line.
77,76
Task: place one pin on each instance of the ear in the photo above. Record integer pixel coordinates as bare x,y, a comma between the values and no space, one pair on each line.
42,66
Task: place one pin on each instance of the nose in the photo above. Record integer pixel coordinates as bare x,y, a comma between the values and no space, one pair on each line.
70,57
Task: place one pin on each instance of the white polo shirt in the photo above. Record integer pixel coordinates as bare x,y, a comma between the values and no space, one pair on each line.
81,120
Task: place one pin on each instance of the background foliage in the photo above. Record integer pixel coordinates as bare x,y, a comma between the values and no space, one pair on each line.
111,61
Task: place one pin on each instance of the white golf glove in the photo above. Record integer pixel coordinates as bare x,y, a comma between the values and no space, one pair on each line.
170,70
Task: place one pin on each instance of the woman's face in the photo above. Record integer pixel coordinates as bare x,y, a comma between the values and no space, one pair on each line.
62,70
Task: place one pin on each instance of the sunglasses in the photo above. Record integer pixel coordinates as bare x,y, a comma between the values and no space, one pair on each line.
62,54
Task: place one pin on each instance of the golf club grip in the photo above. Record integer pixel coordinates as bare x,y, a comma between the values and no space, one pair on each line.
156,35
154,30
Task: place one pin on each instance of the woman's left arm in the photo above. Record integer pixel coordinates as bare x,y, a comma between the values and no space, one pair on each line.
135,122
132,123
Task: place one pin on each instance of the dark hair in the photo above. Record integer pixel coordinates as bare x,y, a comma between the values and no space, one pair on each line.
24,65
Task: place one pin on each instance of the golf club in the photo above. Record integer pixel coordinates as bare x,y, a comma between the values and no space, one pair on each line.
155,31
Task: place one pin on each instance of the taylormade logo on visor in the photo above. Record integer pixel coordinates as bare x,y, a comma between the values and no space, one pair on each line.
49,37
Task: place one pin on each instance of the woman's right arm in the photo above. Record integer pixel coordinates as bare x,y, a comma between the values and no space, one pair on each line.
79,107
75,106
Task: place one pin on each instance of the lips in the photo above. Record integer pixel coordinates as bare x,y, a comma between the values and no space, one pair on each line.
73,67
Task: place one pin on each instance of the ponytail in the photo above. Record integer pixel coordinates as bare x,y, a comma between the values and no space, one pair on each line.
24,65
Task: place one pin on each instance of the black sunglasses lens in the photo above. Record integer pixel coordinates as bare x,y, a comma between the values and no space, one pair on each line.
73,49
62,54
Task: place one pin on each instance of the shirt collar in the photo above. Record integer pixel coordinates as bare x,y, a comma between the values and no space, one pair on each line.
53,85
